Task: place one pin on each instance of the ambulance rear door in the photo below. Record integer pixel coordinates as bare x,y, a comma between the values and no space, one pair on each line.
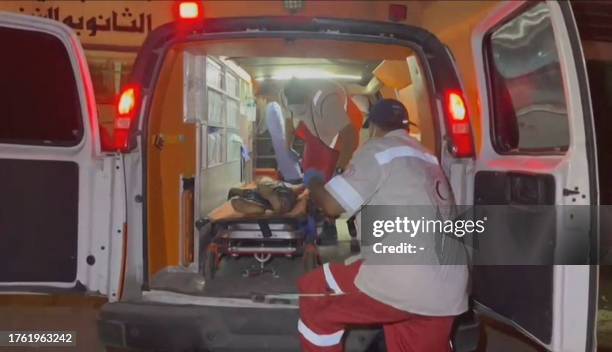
536,180
62,207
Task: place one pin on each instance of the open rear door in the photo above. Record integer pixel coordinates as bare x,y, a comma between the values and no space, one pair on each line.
61,212
537,154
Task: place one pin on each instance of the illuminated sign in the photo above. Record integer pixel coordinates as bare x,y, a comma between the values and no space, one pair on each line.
100,22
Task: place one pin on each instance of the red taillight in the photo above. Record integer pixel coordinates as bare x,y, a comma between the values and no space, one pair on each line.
127,108
459,125
189,10
127,101
456,107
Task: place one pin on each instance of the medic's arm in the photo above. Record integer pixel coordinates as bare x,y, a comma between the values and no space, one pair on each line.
347,193
324,200
334,109
347,139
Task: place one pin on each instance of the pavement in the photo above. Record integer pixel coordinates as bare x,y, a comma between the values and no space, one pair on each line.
604,314
79,314
52,313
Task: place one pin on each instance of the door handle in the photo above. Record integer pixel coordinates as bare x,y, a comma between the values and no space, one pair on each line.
159,141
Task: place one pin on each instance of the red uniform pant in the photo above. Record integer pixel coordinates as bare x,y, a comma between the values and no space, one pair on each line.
323,319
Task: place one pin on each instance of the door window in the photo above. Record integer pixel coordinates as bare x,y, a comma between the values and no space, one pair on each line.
39,103
529,111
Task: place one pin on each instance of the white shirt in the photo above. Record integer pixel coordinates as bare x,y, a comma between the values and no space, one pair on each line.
397,170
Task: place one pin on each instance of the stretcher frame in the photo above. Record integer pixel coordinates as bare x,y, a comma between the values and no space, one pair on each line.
262,238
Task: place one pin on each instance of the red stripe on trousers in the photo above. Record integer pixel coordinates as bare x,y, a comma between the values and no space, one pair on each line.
404,332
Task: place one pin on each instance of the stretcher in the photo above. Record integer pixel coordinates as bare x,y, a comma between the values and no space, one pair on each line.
263,237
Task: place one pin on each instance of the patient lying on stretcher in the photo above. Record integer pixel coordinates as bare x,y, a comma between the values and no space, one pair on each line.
267,195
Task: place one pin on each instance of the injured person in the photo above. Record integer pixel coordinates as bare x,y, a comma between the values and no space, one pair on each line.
264,220
268,195
415,304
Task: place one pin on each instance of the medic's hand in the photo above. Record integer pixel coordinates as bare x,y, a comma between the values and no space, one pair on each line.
311,176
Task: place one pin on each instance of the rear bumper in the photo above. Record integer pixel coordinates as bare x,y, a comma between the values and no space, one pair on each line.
166,327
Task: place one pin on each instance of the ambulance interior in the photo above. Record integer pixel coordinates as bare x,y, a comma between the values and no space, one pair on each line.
208,135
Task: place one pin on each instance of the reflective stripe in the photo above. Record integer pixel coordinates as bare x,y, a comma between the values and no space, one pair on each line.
316,97
319,339
344,193
388,155
329,278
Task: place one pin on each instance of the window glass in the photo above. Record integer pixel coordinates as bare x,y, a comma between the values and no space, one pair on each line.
39,100
214,74
194,88
216,144
529,110
234,147
231,85
216,108
233,112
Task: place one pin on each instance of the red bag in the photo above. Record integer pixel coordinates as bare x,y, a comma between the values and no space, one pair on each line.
317,155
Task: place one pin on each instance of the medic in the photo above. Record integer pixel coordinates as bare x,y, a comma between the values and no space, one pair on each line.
415,304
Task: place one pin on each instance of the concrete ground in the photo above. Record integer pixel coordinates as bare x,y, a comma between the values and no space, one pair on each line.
75,313
604,315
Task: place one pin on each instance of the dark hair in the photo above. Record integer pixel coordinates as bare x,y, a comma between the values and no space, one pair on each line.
295,92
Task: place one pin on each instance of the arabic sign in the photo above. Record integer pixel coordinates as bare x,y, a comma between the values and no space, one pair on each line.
117,23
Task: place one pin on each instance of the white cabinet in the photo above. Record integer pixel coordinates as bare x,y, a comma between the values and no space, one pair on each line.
219,98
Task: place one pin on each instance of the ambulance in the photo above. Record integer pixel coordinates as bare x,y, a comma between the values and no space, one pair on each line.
507,95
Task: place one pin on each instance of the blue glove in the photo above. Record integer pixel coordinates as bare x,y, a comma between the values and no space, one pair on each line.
312,175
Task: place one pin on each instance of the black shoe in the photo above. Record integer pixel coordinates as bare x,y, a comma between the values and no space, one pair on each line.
355,247
329,235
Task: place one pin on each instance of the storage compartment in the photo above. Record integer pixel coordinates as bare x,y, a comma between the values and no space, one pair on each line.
216,142
233,113
232,86
234,146
214,74
216,108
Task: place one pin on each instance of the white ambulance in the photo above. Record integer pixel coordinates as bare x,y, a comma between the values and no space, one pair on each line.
126,216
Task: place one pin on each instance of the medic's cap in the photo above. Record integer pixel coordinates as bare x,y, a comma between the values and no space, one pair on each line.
388,114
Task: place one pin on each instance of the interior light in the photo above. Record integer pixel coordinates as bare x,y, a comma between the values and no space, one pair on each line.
293,5
308,73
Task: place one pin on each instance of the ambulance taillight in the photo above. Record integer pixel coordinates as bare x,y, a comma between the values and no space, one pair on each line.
127,110
459,125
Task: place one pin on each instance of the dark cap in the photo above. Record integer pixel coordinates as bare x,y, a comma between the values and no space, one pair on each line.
389,114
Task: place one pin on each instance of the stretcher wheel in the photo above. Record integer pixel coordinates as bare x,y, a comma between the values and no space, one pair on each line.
311,258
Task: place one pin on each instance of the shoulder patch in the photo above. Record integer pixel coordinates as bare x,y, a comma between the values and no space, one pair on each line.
316,97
